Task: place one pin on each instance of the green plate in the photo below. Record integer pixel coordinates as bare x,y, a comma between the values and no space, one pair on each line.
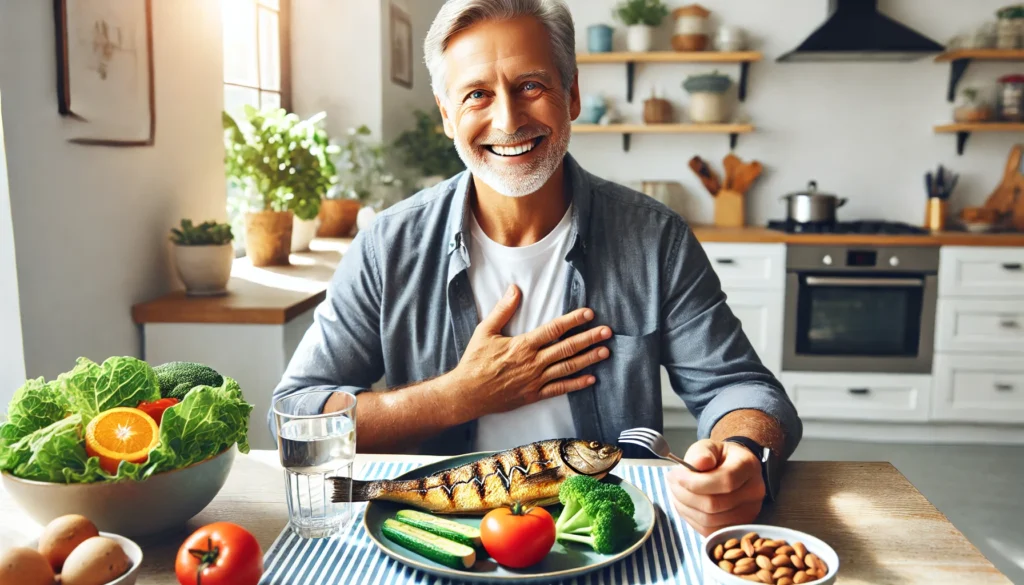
565,560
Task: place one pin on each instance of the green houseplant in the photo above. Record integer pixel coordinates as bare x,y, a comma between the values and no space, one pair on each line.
283,165
362,173
428,149
640,18
202,256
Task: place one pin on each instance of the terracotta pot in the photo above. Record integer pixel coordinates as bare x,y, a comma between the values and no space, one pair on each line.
268,237
205,270
338,217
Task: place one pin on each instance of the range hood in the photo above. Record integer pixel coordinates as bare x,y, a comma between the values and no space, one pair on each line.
857,31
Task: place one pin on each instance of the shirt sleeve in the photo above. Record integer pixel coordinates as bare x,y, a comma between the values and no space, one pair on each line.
342,350
710,362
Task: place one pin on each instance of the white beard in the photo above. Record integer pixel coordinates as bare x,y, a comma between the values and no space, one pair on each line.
525,180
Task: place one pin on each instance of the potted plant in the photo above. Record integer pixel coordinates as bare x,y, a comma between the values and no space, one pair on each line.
427,149
283,164
203,254
361,176
640,18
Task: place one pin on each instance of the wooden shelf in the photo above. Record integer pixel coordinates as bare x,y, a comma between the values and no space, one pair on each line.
671,57
742,58
964,131
627,130
981,55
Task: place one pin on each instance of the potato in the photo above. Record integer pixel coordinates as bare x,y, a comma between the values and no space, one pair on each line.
62,535
24,566
97,561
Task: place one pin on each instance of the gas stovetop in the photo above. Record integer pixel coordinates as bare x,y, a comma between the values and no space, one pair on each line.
847,227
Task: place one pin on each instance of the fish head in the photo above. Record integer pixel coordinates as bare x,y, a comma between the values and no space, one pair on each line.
591,458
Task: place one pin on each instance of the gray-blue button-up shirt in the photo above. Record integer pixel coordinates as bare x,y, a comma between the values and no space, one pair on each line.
400,305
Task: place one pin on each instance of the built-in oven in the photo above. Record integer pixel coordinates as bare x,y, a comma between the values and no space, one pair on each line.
860,309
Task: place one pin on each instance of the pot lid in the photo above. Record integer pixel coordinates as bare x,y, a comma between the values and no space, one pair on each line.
691,10
1016,78
713,82
811,191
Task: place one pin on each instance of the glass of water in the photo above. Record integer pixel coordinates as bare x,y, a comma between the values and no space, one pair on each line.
313,448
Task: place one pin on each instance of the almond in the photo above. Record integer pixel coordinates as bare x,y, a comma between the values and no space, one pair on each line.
797,561
719,551
732,554
801,577
765,576
813,573
784,581
800,549
753,578
744,569
782,572
765,550
748,548
726,566
763,562
746,562
749,536
758,542
781,561
784,550
822,567
731,543
811,560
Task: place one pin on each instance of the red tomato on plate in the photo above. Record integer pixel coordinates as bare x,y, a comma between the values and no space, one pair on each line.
516,537
221,553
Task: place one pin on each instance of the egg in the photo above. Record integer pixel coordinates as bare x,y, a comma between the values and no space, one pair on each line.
97,561
62,535
24,566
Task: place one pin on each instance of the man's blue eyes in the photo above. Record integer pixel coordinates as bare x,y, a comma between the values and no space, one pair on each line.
477,95
529,86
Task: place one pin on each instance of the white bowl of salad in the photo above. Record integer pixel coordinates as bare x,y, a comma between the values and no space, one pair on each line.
138,450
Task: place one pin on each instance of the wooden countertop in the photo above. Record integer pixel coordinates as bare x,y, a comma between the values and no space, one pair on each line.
760,234
883,529
262,296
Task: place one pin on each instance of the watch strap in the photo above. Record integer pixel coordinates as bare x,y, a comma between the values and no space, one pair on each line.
765,457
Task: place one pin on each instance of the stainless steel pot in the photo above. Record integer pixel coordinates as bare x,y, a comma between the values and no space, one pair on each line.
810,206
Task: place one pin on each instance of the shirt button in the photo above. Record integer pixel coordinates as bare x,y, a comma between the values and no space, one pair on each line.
451,245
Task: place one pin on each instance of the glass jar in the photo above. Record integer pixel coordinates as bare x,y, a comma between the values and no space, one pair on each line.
972,106
984,36
1011,98
1008,31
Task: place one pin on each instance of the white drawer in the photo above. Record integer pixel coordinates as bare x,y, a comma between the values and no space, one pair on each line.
980,325
978,389
749,266
983,272
874,397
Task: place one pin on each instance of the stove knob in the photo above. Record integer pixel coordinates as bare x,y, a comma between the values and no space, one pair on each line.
827,260
894,261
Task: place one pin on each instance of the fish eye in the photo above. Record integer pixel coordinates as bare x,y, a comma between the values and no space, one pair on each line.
594,444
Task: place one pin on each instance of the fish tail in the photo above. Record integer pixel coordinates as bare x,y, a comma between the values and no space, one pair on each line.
361,491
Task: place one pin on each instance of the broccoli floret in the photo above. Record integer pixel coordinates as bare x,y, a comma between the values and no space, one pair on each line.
619,497
575,491
178,378
608,529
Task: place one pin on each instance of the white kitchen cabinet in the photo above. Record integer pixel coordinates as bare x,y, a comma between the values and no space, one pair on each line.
982,271
749,266
985,389
980,325
859,396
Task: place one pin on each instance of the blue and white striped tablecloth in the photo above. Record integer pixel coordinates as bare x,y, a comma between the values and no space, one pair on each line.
669,556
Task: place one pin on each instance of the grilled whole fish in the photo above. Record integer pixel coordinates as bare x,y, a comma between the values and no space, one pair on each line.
531,474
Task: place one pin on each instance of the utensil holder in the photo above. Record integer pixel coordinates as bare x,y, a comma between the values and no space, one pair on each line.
935,214
729,209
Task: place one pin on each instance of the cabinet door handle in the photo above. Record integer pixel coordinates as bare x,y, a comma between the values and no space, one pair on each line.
859,391
725,261
1009,324
1013,266
1004,387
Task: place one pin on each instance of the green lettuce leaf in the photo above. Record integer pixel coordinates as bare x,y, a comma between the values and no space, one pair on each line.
209,420
120,381
35,405
55,453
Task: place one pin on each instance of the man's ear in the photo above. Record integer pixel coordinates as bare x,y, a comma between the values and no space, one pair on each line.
449,128
574,97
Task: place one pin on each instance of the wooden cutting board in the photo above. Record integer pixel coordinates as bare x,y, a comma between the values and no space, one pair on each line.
1008,198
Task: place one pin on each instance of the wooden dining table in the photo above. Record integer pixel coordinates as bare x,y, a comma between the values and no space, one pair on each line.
883,529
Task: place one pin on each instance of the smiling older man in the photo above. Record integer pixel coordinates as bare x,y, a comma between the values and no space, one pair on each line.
527,299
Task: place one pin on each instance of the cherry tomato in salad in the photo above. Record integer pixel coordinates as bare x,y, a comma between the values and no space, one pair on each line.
156,408
518,537
221,553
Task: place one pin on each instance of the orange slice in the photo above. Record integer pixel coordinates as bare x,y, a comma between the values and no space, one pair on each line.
121,434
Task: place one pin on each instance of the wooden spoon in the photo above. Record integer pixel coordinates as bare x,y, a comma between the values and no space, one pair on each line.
746,175
732,165
707,176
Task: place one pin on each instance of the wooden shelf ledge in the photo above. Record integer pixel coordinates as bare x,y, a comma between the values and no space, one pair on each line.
671,57
981,55
964,131
627,130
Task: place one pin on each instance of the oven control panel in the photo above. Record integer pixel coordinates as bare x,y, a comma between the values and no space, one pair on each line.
862,259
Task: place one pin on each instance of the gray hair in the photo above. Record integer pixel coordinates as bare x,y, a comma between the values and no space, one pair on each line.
458,15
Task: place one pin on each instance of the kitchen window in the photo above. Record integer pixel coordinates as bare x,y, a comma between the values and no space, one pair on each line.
256,54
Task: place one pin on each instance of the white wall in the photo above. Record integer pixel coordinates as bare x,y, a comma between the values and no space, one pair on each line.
90,223
12,355
862,130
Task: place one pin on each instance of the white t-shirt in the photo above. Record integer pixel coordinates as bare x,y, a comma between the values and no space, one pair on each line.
539,270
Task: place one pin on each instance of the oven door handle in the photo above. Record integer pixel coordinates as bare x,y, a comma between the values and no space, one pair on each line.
855,281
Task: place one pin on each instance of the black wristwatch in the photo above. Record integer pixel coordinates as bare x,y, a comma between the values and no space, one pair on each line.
770,465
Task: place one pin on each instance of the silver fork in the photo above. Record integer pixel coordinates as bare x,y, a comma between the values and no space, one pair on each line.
654,442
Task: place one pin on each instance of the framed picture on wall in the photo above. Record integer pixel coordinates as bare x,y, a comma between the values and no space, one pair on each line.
105,71
401,47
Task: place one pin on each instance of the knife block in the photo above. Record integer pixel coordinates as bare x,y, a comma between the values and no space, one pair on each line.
729,209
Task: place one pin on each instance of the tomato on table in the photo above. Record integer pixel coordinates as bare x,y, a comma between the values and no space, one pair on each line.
518,537
221,553
156,408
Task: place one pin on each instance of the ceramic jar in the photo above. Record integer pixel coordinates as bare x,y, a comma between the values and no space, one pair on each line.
599,38
691,29
593,109
707,97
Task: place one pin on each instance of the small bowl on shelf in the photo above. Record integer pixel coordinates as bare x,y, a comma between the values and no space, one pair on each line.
715,575
979,220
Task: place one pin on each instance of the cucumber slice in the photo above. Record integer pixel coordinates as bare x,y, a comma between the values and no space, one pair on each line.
442,527
440,550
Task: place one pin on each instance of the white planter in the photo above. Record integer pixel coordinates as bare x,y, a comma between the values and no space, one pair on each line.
205,270
303,232
365,217
639,38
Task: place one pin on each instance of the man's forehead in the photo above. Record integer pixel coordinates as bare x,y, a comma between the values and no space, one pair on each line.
491,48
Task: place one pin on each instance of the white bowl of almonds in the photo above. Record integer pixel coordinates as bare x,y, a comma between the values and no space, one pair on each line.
757,553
